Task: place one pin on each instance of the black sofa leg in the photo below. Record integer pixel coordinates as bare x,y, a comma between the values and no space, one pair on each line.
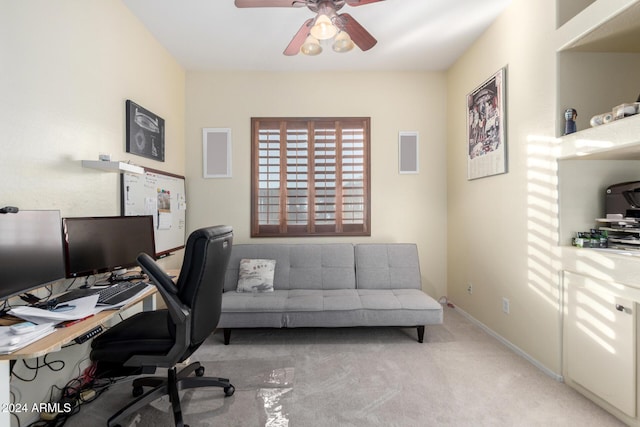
227,335
420,333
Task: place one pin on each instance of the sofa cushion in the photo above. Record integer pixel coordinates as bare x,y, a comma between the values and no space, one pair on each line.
329,308
254,302
299,266
319,300
387,266
256,275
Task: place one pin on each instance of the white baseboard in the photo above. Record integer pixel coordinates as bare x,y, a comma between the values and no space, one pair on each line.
511,346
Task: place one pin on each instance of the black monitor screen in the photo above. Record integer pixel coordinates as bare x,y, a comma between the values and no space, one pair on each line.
105,244
31,252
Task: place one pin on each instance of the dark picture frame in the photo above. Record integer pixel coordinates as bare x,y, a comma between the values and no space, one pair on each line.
145,132
486,128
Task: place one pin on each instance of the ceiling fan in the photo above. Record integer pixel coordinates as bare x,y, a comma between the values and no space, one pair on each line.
342,28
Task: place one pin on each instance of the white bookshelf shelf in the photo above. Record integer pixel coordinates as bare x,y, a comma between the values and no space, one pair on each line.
113,166
612,24
618,140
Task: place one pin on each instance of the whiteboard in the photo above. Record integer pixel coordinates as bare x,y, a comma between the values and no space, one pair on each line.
162,195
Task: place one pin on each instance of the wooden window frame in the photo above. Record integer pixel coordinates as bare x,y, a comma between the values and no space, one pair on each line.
355,156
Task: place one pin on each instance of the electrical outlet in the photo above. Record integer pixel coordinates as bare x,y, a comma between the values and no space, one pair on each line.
505,305
470,288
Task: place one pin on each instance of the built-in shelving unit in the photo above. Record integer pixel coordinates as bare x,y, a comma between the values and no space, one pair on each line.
598,55
112,166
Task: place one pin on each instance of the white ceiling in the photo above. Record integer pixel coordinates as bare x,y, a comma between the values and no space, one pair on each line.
411,34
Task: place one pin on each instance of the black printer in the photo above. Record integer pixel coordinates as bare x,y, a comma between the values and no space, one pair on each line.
623,199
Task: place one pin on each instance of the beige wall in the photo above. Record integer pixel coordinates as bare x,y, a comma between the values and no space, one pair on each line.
67,67
405,208
502,234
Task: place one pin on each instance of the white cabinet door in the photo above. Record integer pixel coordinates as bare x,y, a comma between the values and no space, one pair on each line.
600,340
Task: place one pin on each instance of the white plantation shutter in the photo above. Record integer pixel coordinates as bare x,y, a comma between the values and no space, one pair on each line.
310,176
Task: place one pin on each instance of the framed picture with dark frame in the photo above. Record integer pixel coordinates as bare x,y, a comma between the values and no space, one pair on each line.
486,128
145,132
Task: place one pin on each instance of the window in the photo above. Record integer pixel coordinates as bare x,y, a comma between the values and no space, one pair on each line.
310,177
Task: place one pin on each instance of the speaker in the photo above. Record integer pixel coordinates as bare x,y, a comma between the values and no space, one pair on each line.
216,152
408,152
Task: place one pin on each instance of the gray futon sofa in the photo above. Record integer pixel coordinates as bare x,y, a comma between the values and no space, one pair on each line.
330,285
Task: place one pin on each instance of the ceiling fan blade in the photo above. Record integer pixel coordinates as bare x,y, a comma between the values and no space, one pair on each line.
358,34
361,2
298,39
269,3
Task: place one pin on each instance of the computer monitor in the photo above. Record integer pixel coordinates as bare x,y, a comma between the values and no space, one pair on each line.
31,253
95,245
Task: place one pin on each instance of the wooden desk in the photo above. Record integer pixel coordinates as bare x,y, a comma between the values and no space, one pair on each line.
54,342
62,336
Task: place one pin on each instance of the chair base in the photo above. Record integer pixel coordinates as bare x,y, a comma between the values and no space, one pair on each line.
171,386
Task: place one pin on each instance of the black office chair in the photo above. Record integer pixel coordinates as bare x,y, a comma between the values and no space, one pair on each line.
163,338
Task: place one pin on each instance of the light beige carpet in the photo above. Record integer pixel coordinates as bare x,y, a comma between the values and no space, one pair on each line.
363,377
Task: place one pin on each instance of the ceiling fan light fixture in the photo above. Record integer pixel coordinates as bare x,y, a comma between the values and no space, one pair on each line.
342,42
323,28
311,46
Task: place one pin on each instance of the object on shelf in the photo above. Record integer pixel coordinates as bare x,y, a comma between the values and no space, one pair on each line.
622,233
592,239
619,112
625,110
601,119
623,199
570,116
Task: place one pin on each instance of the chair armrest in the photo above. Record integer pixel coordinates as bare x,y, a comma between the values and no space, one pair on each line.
180,315
166,288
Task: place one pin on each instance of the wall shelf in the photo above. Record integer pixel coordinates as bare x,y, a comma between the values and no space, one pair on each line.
618,140
605,25
112,166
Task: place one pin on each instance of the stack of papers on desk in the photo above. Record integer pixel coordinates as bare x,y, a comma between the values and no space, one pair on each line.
10,342
80,308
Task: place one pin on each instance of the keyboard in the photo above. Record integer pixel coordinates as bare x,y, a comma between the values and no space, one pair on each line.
122,291
112,295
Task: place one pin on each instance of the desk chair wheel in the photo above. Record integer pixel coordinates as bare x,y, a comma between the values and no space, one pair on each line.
228,391
200,371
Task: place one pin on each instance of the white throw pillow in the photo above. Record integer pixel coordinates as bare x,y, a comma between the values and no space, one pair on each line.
256,275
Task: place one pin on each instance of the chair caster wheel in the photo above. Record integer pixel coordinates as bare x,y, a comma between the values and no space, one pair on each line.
228,391
137,391
200,371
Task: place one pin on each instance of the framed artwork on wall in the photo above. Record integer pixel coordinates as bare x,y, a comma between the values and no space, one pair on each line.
486,128
145,132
